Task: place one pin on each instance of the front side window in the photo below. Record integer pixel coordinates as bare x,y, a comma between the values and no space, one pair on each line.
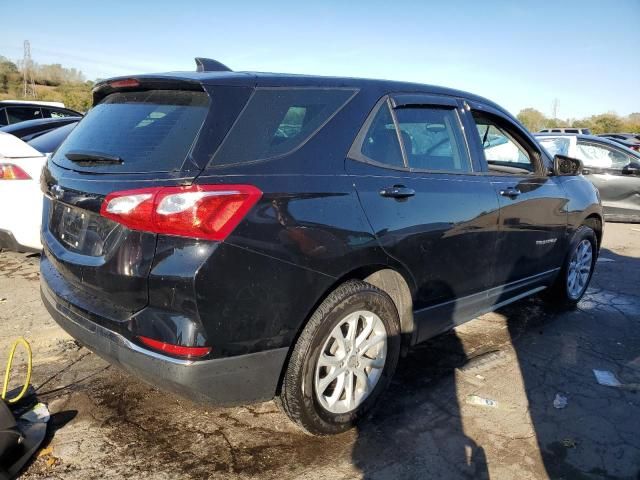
277,121
600,156
432,139
502,152
22,114
555,146
381,140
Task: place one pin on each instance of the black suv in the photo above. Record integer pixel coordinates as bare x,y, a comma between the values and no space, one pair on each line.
237,236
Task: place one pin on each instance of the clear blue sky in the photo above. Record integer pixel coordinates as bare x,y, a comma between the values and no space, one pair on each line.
519,53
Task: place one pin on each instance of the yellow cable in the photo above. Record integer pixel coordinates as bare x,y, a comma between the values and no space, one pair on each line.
7,372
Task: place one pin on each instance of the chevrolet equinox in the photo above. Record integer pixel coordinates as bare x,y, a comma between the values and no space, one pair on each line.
238,236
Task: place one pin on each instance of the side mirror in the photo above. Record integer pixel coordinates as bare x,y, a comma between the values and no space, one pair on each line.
632,168
564,166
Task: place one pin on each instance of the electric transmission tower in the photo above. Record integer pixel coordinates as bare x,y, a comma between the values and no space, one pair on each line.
27,71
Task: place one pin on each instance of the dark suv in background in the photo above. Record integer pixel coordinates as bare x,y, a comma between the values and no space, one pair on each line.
239,236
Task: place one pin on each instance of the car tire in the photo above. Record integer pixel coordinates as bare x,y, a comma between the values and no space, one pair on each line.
356,331
573,280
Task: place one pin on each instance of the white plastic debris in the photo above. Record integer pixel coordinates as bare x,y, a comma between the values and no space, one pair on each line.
560,401
483,402
606,378
38,414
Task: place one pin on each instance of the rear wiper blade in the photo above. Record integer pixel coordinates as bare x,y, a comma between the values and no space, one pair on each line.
85,157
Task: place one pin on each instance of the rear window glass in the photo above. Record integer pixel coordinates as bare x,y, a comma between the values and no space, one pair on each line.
277,121
151,131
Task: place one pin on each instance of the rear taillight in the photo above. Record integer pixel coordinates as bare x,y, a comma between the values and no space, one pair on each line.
9,171
175,350
208,212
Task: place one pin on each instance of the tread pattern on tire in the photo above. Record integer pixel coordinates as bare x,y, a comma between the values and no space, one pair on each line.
290,403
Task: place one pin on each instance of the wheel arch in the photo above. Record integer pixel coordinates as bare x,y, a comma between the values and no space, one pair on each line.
595,222
396,284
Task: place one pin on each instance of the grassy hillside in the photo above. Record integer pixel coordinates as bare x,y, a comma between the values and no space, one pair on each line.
53,83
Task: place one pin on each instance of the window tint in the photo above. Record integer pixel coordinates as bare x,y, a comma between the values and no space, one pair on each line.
21,114
600,156
3,117
152,131
277,121
555,146
432,139
502,152
381,140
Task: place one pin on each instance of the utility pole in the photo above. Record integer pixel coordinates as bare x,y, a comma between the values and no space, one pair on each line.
27,72
555,108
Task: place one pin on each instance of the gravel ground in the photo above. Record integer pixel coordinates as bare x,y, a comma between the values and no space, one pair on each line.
109,425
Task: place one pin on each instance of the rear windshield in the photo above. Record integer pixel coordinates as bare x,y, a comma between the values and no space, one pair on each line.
277,121
150,131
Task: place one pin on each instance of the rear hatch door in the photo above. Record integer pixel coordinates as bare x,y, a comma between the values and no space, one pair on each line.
148,136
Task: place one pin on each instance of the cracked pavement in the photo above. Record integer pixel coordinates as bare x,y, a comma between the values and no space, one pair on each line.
108,424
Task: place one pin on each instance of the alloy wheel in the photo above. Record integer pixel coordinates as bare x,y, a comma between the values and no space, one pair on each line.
351,362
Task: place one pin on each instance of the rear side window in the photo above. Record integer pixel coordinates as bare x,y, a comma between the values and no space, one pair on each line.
22,114
601,156
277,121
433,139
151,131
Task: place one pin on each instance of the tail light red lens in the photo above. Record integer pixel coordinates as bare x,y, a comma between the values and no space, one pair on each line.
208,212
8,171
175,350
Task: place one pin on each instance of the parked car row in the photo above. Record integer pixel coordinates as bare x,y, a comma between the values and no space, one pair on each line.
20,167
610,166
242,236
15,111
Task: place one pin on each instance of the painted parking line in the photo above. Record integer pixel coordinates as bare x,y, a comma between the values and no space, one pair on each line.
603,259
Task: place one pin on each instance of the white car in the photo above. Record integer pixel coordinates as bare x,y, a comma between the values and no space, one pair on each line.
20,194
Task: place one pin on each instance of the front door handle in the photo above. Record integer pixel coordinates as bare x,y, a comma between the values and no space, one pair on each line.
397,191
511,192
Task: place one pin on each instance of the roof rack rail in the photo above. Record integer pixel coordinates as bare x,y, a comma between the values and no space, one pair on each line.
210,65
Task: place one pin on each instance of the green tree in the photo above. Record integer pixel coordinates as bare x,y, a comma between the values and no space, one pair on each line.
606,123
531,118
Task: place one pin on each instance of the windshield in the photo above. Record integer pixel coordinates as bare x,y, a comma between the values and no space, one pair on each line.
151,131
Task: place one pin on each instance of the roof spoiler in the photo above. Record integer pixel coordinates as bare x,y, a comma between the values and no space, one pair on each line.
210,65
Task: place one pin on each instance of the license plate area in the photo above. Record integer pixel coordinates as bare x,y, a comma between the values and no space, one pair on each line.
73,227
82,231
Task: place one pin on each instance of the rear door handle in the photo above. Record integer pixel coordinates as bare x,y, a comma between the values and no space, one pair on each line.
510,192
397,191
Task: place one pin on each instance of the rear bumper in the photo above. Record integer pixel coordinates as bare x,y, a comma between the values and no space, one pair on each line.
225,381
